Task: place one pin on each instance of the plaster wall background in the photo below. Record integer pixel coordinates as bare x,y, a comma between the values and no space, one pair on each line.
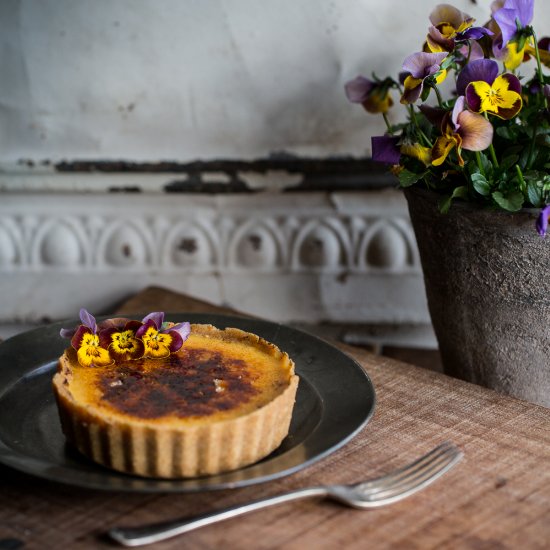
185,80
181,80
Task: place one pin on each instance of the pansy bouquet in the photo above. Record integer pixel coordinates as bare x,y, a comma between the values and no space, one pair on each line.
487,138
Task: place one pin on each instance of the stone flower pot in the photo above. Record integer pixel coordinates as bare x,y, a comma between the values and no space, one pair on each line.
487,278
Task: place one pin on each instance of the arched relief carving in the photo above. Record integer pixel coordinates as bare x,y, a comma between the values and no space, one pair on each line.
357,227
321,244
124,244
59,243
294,242
11,244
8,250
308,253
413,256
257,244
190,244
384,245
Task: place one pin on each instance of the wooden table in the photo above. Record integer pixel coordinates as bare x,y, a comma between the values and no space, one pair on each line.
497,497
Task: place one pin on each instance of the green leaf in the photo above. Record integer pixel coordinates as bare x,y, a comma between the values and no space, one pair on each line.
534,192
481,185
471,168
445,205
524,158
511,202
487,166
513,150
506,133
425,93
543,141
459,192
408,178
507,162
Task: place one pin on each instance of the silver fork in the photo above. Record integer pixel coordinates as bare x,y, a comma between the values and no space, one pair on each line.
368,494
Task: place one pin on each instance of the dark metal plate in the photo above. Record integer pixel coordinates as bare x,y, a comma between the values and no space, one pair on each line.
335,400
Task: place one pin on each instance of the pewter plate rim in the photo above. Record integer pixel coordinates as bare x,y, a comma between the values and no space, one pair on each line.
335,400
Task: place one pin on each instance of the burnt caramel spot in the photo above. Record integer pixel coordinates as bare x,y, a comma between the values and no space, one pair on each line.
183,385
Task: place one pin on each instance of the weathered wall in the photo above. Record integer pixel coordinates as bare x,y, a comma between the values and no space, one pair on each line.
179,80
147,81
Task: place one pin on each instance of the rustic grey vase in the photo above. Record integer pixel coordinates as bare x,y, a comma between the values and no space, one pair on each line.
487,277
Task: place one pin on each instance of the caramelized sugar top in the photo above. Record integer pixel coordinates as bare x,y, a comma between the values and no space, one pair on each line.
208,377
196,382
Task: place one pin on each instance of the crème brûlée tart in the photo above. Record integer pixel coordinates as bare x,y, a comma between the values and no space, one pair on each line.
224,400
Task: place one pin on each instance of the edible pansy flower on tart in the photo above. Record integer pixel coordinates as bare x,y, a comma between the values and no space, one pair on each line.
120,340
85,340
160,339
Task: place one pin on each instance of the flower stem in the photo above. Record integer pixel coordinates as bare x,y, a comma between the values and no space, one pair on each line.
415,121
388,125
438,94
531,156
493,155
521,180
491,147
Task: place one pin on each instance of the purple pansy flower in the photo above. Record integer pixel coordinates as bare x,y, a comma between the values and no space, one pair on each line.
487,91
461,129
385,149
159,338
450,25
88,326
420,66
358,89
513,11
122,339
535,88
119,337
446,22
374,96
542,220
86,319
471,51
85,340
479,69
474,33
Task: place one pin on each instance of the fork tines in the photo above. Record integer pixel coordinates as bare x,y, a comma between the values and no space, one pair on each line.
412,477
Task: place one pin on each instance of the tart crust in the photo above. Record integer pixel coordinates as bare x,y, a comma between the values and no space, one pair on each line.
171,444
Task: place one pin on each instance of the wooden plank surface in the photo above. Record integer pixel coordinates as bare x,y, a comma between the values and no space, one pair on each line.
497,497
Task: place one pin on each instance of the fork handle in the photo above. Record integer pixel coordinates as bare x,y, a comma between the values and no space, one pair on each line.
148,534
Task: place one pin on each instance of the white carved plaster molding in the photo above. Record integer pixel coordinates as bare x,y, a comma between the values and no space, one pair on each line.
345,257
